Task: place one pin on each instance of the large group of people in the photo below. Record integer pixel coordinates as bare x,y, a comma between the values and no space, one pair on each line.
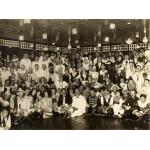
51,84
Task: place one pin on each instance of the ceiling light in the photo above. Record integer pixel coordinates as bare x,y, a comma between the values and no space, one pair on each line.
112,26
99,45
53,43
129,41
74,31
145,40
21,38
106,39
44,36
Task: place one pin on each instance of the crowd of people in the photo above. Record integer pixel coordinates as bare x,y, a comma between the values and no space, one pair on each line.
52,84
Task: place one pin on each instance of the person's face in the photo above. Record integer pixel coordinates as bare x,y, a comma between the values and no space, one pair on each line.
36,67
46,94
143,99
118,94
36,59
77,93
21,94
97,55
92,92
63,92
132,93
138,68
122,80
22,67
34,92
141,54
27,92
4,113
53,91
146,83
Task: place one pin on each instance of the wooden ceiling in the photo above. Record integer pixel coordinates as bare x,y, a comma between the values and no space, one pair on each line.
89,32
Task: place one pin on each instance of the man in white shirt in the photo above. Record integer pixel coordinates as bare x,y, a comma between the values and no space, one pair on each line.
25,61
79,105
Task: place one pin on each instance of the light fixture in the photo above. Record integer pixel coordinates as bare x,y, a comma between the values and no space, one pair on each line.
21,38
99,45
145,39
137,35
57,48
95,48
129,22
53,43
76,41
137,46
74,31
106,39
44,36
69,45
78,46
31,45
112,26
129,41
26,21
45,48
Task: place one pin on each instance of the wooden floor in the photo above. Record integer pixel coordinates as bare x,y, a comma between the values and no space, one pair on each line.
81,123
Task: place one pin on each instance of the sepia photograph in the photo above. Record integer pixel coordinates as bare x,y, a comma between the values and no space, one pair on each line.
74,74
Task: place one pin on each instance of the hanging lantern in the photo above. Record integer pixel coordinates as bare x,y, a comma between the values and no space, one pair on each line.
137,35
74,31
57,48
129,41
53,43
99,45
76,41
112,26
106,39
78,46
95,48
145,39
44,36
69,45
21,38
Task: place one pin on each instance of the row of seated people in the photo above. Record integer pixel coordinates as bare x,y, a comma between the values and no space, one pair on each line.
27,105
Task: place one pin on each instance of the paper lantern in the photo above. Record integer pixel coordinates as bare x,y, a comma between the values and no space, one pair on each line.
44,35
99,45
145,40
78,46
137,35
106,39
21,38
74,31
112,26
129,41
57,48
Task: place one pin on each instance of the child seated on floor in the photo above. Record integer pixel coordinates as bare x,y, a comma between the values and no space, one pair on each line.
5,119
45,106
143,106
92,102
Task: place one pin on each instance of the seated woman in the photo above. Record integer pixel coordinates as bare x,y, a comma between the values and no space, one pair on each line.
117,105
79,104
143,106
64,102
5,119
46,106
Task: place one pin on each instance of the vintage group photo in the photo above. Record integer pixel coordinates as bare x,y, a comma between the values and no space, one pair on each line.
74,74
